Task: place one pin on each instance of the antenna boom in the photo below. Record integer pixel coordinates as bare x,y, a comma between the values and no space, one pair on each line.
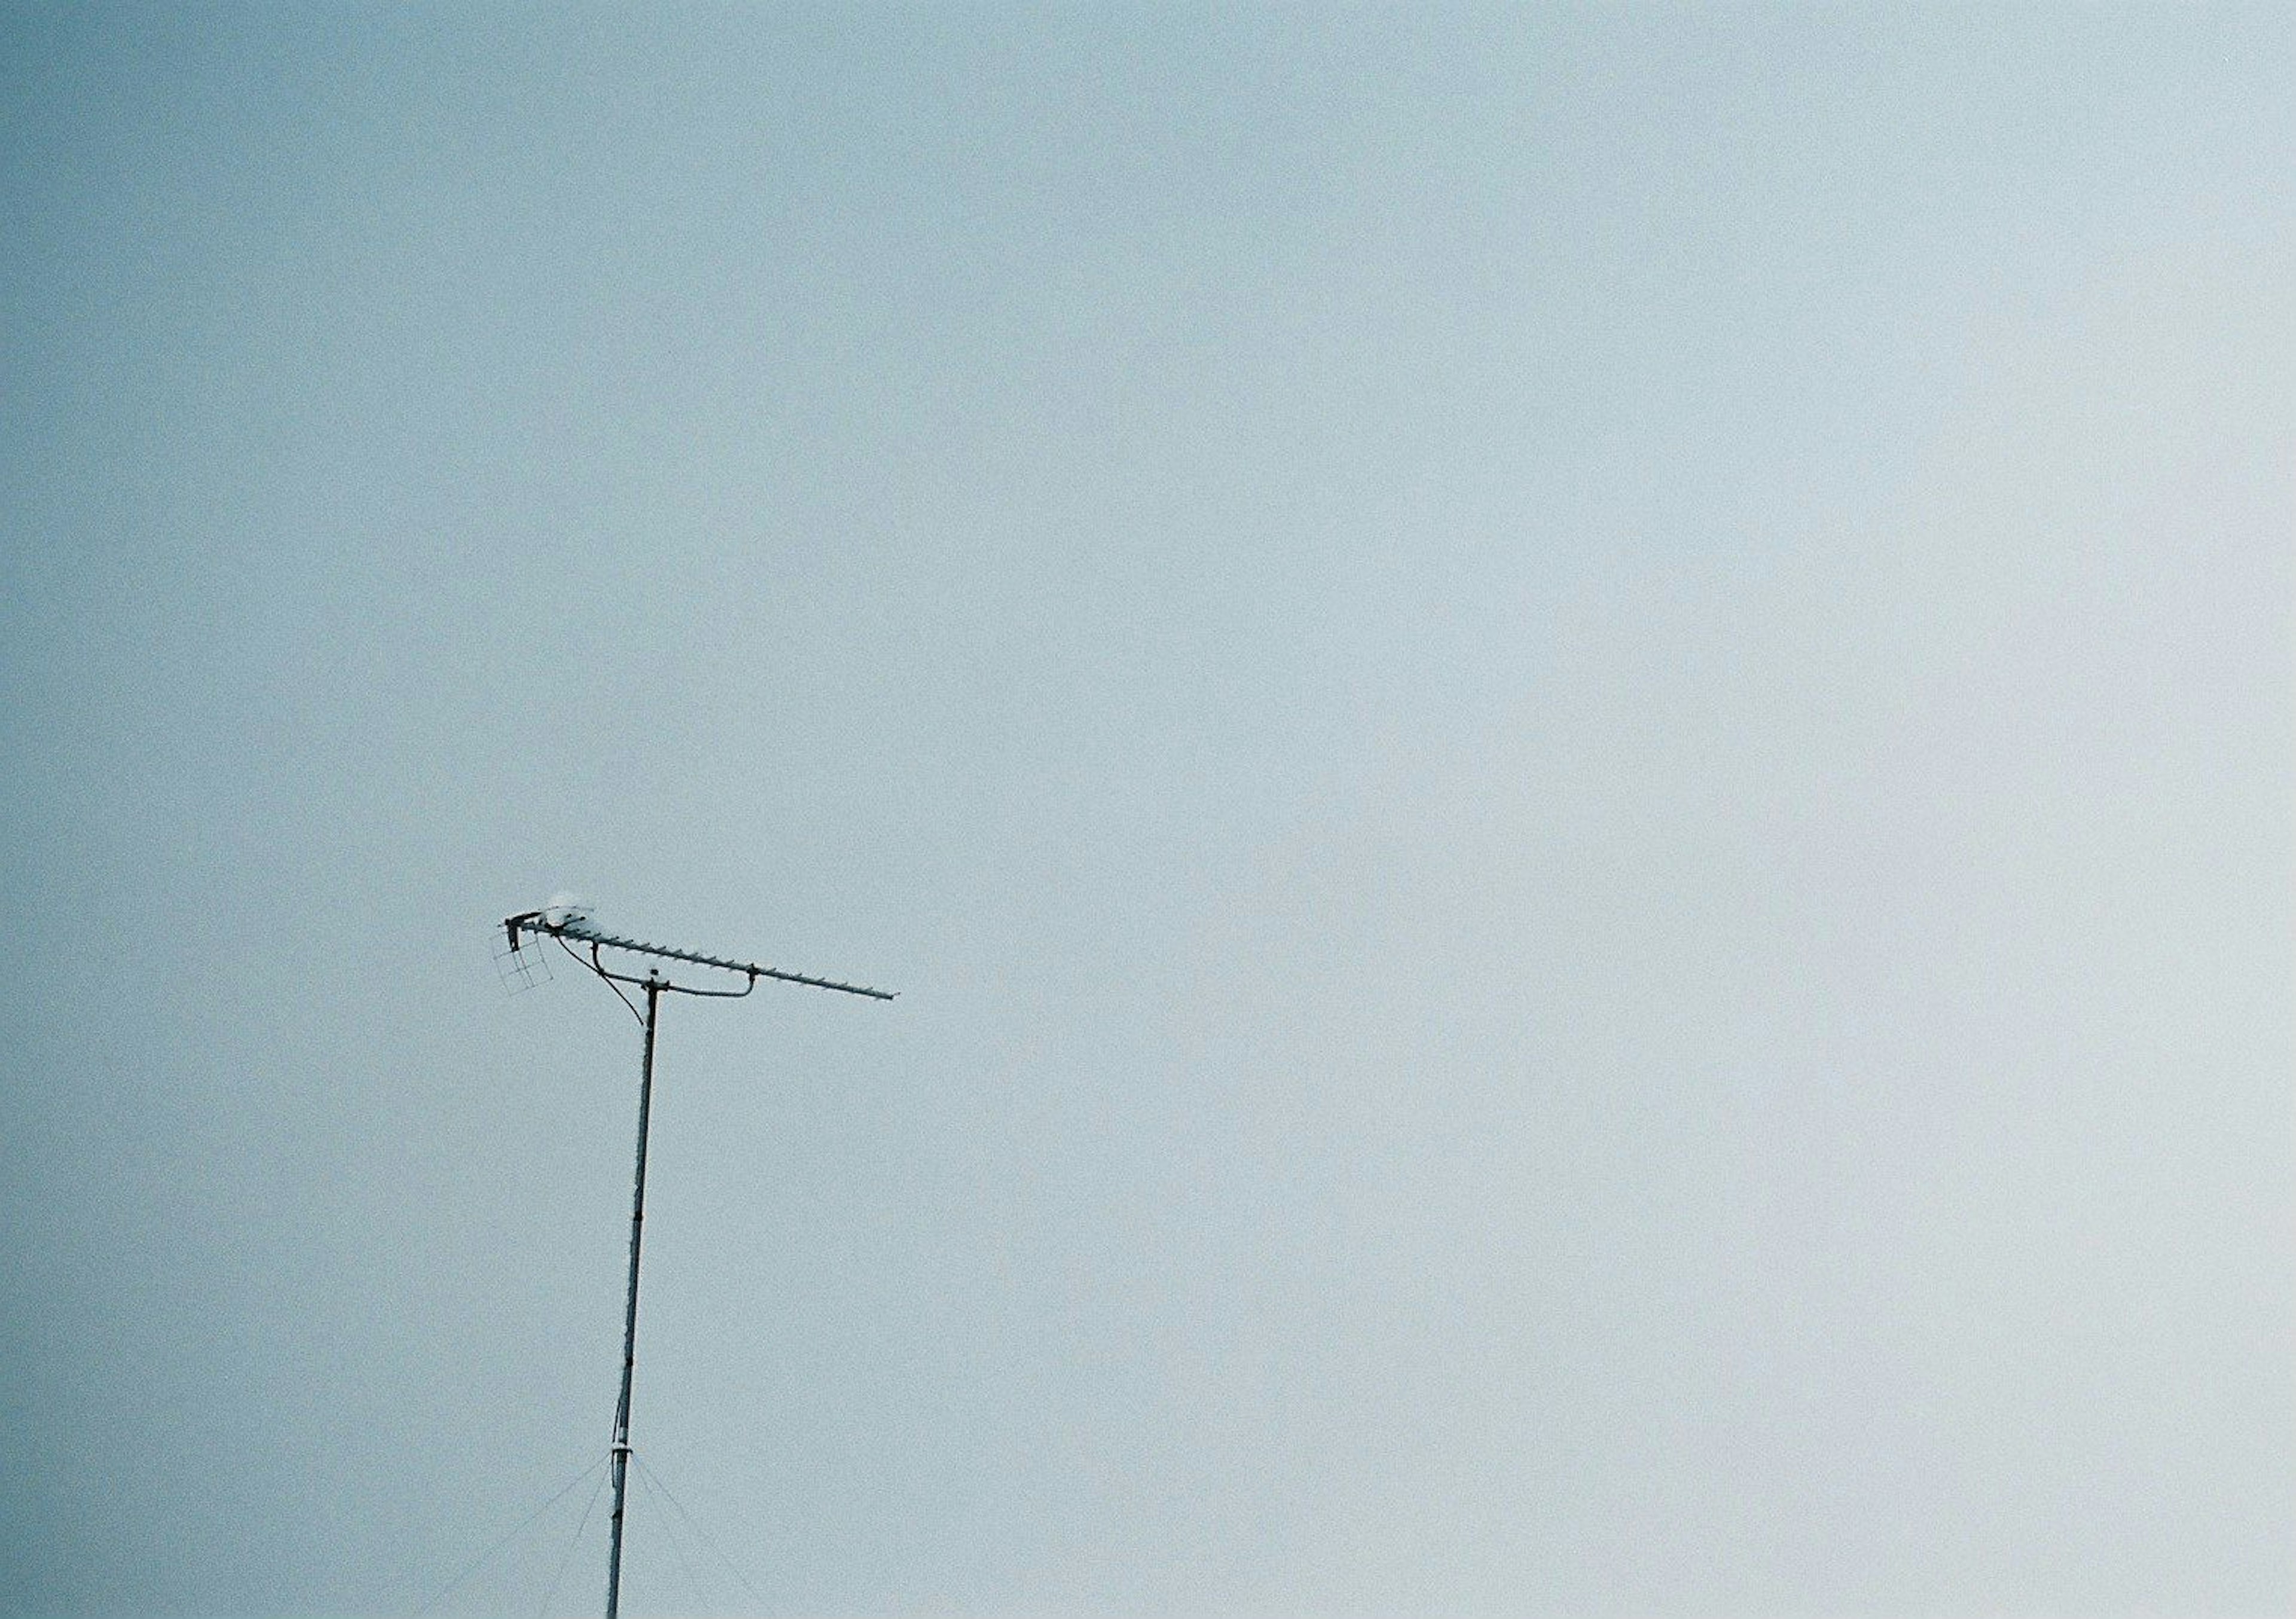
536,922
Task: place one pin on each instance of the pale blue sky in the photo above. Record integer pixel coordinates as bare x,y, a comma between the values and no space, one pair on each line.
1571,730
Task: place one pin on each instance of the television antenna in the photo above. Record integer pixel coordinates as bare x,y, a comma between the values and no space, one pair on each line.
523,963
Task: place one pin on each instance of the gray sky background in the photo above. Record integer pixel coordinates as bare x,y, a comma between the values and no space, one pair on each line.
1572,729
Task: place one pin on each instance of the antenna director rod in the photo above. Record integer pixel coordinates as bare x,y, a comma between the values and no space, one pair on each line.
591,936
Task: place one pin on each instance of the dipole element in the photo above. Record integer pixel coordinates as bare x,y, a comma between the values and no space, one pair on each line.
565,926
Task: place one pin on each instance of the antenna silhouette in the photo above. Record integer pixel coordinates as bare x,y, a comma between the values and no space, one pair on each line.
570,925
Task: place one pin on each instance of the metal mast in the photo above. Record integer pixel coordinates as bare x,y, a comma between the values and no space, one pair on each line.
570,926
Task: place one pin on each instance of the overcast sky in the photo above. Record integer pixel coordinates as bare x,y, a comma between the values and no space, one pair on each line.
1572,729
